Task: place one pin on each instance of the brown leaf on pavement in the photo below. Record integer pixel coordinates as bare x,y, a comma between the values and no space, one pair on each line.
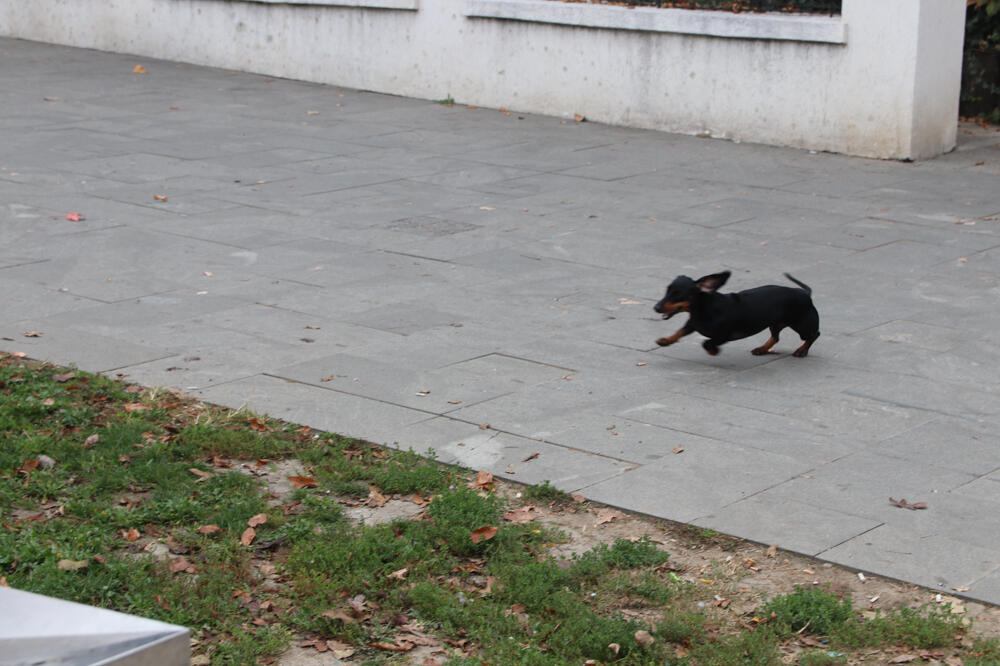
139,69
903,504
772,550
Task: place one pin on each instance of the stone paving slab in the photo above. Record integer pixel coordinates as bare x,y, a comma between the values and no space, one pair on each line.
480,286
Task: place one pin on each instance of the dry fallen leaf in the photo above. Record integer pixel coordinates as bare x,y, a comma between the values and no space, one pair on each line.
399,574
160,197
180,564
209,529
522,515
303,481
90,441
64,378
75,217
71,565
532,456
201,474
338,615
607,515
484,533
903,504
772,550
677,449
139,69
135,407
644,638
483,481
248,536
32,334
259,519
132,534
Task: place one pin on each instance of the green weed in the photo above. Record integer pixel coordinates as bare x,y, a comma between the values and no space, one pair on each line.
812,609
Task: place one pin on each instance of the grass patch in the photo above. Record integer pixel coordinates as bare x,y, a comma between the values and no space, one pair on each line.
162,500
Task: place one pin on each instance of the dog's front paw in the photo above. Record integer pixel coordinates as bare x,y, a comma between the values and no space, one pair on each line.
665,342
710,347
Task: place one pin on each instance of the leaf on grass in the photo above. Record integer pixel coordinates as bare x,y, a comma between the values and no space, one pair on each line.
303,481
259,519
256,424
29,466
48,402
132,534
90,441
644,638
179,564
903,659
64,377
420,500
201,474
357,603
484,533
248,536
136,407
71,565
903,504
399,574
209,529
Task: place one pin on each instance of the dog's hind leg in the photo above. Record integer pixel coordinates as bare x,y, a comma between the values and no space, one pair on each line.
766,347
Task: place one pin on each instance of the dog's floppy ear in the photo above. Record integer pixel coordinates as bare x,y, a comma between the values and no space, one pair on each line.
711,283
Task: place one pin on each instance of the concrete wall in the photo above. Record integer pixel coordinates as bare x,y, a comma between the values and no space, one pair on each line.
882,80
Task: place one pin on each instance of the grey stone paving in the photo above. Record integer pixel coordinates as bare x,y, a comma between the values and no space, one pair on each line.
481,284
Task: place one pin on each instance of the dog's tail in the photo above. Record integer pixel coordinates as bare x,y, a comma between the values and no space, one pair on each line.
801,284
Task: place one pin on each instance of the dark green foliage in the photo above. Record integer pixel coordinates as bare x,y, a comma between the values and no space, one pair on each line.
813,609
925,628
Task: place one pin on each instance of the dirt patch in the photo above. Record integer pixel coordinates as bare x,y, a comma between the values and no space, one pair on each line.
736,577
